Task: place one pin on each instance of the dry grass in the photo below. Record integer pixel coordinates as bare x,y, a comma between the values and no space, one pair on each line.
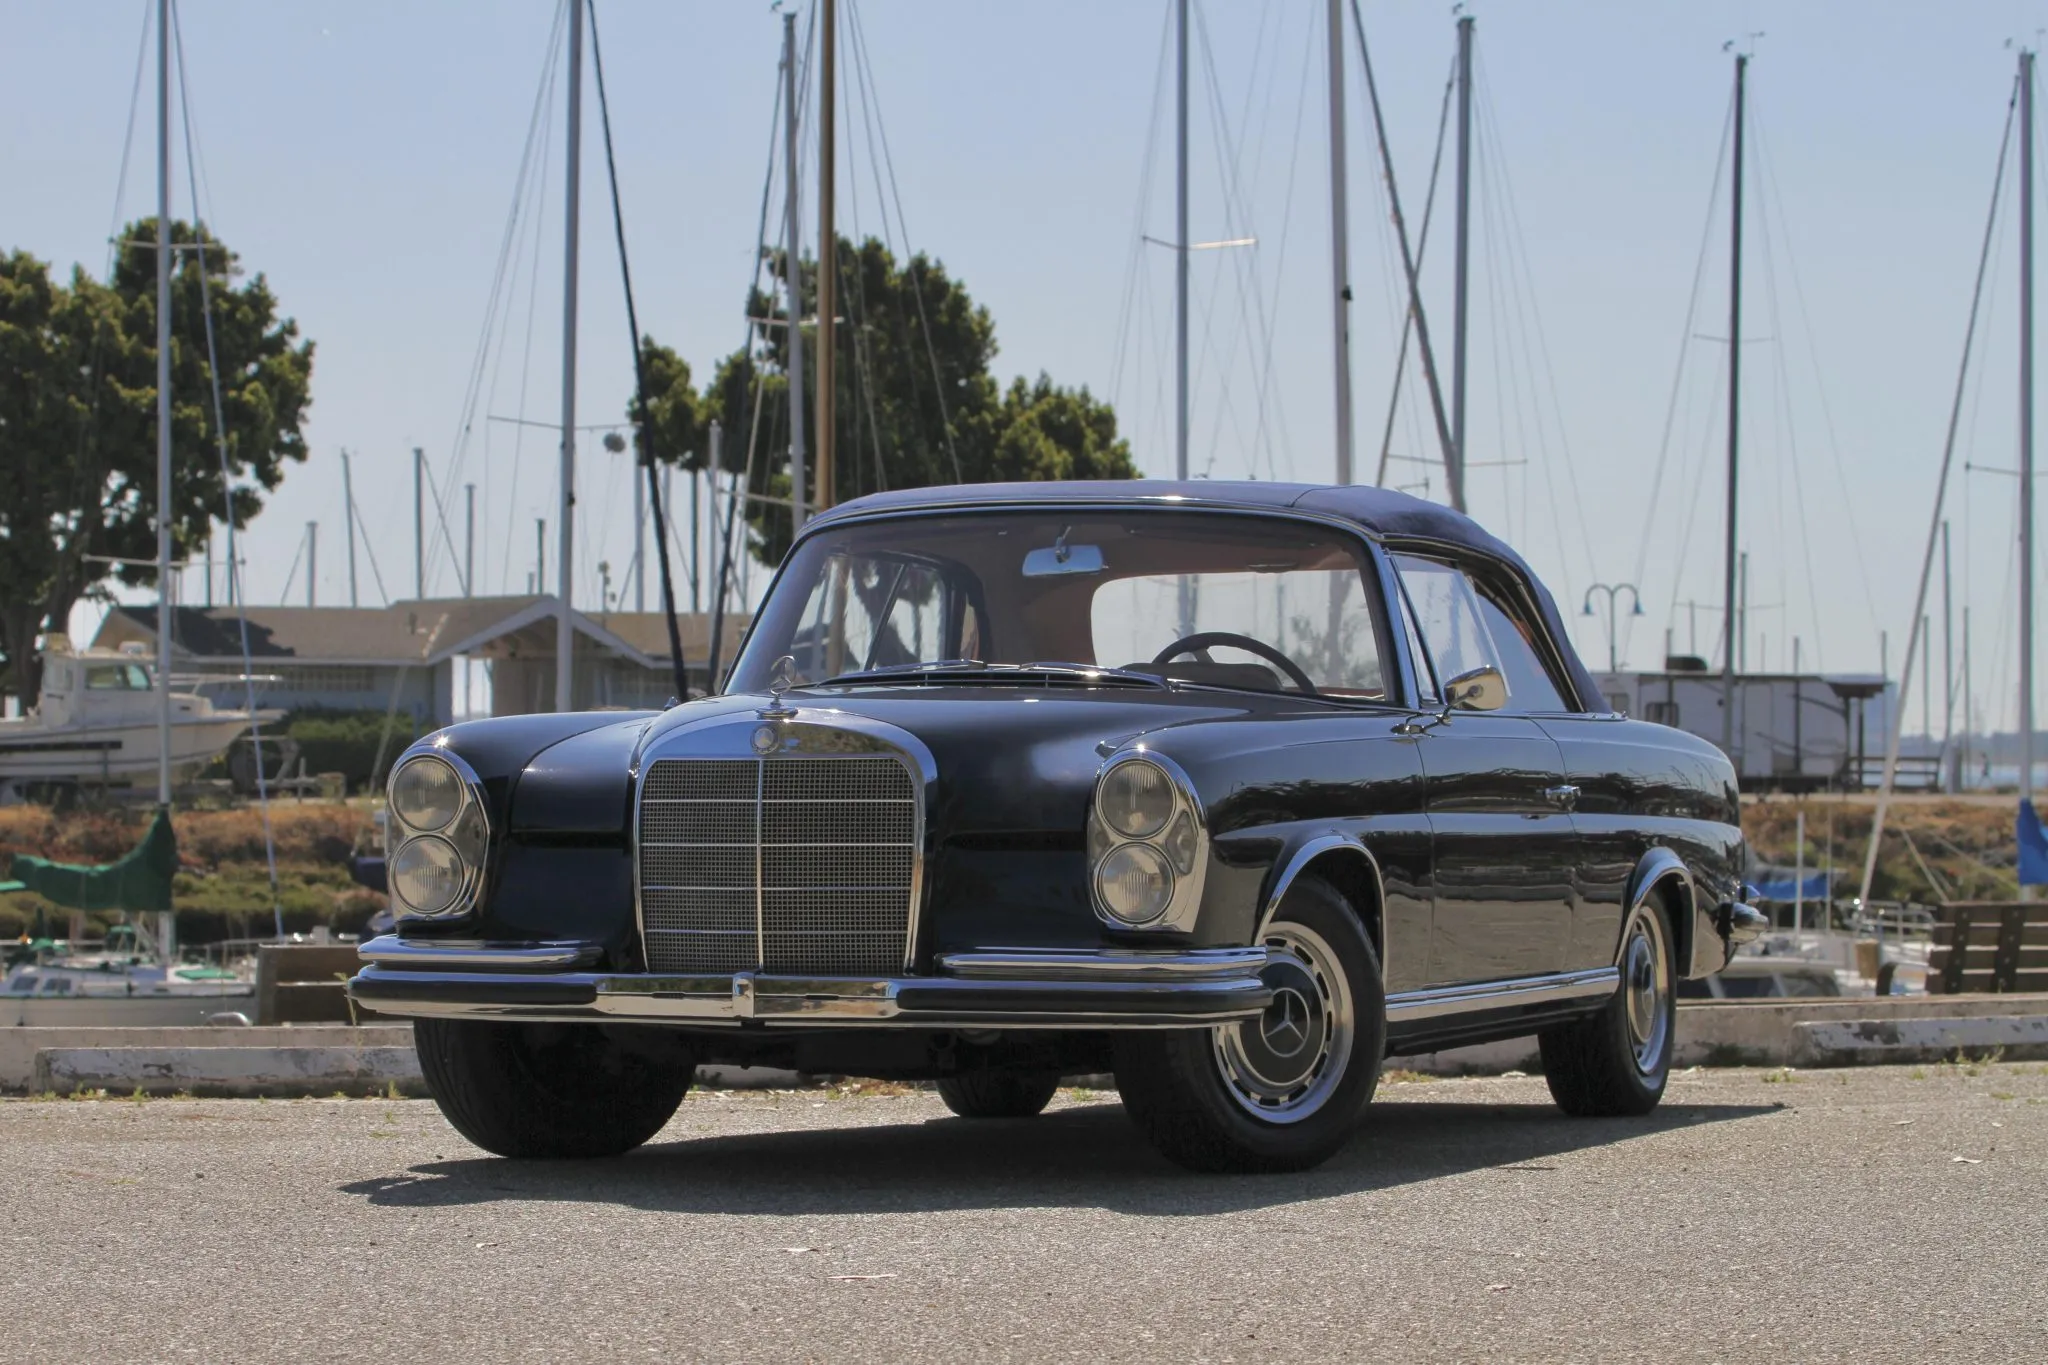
306,832
1969,845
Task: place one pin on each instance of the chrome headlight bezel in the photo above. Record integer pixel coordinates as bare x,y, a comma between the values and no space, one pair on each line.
1181,840
468,832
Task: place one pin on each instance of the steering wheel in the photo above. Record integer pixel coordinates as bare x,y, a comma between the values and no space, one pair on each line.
1200,644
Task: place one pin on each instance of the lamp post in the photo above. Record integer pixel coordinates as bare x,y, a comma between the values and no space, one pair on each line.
1635,609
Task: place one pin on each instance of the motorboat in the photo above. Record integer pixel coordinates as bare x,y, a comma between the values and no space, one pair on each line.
97,721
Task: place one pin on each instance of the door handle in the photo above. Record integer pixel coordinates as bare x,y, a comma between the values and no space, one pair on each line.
1565,798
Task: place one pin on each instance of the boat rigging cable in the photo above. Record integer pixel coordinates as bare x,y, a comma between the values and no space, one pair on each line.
1453,458
1436,162
649,454
744,482
226,480
1898,712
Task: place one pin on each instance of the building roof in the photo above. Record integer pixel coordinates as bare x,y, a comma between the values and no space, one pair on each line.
405,632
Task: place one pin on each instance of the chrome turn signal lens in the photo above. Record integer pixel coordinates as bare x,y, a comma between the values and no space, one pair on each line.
1135,884
428,874
1136,799
426,794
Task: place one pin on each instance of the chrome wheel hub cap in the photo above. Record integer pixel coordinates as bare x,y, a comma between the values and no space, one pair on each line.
1644,970
1283,1065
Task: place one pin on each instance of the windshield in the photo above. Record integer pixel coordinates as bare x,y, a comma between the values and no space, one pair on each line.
1278,601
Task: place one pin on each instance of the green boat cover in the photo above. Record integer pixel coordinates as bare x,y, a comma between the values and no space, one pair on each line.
141,880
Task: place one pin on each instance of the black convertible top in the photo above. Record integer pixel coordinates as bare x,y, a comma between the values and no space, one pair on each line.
1381,513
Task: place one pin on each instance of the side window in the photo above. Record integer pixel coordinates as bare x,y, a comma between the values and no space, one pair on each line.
1464,628
1425,676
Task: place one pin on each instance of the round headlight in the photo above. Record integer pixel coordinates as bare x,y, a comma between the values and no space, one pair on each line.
426,794
1136,799
427,875
1135,883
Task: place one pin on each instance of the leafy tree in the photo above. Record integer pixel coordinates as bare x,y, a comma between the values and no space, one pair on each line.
78,422
908,414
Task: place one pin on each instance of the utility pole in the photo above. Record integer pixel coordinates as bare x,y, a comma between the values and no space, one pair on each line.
468,540
1461,268
1742,613
565,630
1969,721
1951,770
1340,243
828,250
1734,408
419,523
640,538
312,559
348,513
2026,431
792,274
163,401
540,555
1180,259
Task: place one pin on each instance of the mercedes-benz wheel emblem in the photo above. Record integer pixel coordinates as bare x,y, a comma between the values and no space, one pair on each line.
1284,1026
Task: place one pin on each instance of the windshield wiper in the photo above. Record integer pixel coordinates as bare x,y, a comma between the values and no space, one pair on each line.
974,670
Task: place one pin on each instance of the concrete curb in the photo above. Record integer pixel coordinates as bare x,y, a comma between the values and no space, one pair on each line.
229,1071
19,1046
1862,1041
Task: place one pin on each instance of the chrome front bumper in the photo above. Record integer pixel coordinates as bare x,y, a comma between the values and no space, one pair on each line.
992,988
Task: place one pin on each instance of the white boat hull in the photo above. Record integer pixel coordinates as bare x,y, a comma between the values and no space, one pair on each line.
111,753
141,1011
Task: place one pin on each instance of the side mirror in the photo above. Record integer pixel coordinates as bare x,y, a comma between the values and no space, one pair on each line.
1477,689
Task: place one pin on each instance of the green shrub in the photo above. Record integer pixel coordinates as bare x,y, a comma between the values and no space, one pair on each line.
347,742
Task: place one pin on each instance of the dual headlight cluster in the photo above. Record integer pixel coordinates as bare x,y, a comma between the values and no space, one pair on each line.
1145,845
436,840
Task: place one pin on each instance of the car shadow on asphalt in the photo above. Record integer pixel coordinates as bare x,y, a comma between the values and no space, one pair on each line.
1083,1155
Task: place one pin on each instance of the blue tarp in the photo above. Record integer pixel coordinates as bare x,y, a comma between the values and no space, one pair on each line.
2033,841
1814,888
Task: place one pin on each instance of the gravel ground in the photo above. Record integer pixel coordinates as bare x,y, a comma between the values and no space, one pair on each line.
1883,1214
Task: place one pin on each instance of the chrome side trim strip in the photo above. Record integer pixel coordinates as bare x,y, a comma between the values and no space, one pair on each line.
1474,997
1054,964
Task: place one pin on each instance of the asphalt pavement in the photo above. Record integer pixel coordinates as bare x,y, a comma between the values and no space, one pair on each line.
1870,1215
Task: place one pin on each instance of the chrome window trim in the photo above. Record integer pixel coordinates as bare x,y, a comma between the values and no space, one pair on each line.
808,732
1186,904
475,861
1478,996
1310,850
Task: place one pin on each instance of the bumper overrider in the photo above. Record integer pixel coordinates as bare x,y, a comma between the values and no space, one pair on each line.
990,988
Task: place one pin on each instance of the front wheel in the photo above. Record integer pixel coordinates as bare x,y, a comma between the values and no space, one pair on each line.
1283,1091
549,1090
1616,1063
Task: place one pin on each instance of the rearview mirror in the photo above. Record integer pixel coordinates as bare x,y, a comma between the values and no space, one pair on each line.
1477,689
1063,559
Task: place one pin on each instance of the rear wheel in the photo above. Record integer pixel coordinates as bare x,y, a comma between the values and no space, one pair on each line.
1283,1091
998,1094
549,1090
1616,1062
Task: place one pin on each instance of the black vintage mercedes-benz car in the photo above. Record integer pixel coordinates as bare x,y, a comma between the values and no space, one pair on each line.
1234,790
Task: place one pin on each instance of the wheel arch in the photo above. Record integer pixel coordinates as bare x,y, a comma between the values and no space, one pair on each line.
1346,864
1662,871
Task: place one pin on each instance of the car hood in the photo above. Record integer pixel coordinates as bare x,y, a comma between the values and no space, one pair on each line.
1011,760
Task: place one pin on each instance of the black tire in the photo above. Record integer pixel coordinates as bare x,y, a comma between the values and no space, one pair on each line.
997,1094
547,1090
1616,1063
1201,1097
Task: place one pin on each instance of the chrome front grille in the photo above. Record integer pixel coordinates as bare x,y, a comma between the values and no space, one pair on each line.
797,864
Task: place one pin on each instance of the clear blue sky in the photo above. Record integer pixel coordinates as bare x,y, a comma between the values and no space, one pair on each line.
363,157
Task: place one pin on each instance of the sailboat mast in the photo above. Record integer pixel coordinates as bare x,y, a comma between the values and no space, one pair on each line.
792,278
1340,239
2026,428
565,632
828,248
1461,266
1728,633
1180,247
163,403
